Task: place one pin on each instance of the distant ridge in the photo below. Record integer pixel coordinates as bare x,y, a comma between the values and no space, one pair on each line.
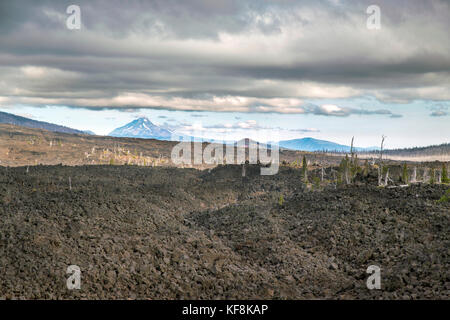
311,144
247,142
9,118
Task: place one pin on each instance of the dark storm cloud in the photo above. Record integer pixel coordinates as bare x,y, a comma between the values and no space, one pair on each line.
200,55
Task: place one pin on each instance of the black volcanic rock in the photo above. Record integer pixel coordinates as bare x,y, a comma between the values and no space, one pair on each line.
171,233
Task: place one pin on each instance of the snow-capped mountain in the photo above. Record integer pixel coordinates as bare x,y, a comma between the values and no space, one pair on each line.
142,128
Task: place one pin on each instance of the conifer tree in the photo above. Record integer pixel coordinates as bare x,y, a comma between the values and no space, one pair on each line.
405,174
445,178
366,168
343,169
433,176
305,169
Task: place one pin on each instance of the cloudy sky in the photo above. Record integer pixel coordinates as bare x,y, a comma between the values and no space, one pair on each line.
228,69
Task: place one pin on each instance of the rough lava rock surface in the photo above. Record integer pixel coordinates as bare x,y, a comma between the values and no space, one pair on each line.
168,233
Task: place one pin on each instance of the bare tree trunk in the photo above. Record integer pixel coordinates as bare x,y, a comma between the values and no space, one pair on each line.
346,175
381,162
381,149
351,150
386,178
322,174
425,175
414,176
243,169
70,183
379,176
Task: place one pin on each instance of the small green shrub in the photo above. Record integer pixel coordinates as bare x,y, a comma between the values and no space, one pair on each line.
316,181
281,200
445,178
343,170
405,174
366,168
305,169
445,197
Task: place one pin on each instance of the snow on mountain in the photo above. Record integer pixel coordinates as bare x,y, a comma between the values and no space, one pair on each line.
142,128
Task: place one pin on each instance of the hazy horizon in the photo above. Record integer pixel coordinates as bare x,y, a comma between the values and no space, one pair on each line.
220,126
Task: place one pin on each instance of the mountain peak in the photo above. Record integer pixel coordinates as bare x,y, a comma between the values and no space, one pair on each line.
143,119
142,128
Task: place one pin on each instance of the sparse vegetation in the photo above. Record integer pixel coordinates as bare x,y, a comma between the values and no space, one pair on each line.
445,197
305,169
342,170
281,200
405,174
316,182
433,176
445,178
366,168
